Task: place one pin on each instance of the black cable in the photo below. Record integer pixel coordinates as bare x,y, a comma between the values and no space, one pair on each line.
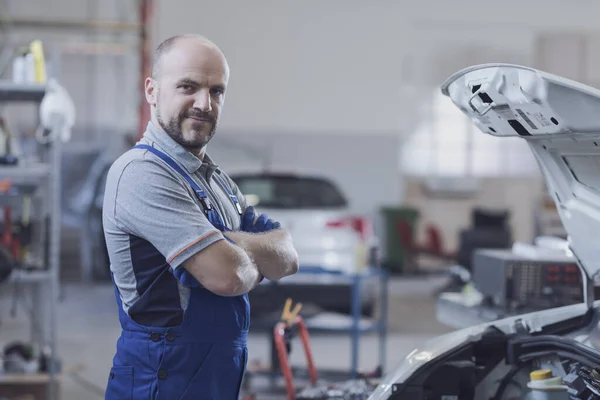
549,343
505,381
561,354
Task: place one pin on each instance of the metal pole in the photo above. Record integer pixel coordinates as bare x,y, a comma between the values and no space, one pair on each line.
383,328
356,295
55,236
146,9
55,257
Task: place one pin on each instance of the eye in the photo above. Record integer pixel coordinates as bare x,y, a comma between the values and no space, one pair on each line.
186,88
217,91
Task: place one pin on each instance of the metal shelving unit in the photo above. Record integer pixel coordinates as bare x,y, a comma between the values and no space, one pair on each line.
10,91
41,282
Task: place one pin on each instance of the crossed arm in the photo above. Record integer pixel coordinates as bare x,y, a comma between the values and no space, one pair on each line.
229,269
146,200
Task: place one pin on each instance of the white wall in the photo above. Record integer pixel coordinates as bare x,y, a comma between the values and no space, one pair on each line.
363,166
356,69
336,65
312,76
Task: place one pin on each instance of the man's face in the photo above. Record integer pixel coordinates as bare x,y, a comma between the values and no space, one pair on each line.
189,92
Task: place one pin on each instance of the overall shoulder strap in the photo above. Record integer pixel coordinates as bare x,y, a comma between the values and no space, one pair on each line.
171,163
232,196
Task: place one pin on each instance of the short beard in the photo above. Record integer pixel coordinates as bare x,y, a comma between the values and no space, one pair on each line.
173,128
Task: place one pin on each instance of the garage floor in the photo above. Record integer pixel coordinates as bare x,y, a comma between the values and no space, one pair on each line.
88,329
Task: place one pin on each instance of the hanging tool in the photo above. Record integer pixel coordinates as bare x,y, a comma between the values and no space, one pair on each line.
7,232
288,317
11,236
7,257
282,334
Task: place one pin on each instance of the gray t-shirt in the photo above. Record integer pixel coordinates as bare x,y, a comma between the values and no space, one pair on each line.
153,222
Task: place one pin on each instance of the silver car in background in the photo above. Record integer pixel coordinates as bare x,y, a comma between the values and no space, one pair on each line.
329,238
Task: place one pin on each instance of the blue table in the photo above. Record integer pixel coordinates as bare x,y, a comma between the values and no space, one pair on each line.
380,325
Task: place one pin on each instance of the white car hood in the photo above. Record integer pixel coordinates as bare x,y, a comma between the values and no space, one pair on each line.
560,121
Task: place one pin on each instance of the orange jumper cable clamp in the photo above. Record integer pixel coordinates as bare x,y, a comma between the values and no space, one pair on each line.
288,320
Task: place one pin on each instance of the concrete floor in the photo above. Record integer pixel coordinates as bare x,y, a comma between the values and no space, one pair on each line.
88,329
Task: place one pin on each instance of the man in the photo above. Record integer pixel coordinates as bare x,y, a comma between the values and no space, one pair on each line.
184,248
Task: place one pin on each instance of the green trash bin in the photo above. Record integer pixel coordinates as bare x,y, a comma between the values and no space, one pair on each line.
396,253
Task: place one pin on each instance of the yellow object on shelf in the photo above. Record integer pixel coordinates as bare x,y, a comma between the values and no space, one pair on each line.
37,50
540,374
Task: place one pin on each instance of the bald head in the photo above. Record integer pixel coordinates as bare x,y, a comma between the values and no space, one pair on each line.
187,89
187,41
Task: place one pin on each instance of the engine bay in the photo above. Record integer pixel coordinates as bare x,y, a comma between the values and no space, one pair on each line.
499,366
541,347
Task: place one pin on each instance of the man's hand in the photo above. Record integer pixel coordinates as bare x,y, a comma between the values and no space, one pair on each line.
222,268
234,268
262,223
273,252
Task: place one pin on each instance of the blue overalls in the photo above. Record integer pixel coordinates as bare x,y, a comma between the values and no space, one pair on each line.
202,358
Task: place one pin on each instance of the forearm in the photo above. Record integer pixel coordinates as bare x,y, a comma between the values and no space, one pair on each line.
248,276
224,269
272,252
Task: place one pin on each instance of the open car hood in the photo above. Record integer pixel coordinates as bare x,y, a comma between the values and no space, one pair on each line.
560,120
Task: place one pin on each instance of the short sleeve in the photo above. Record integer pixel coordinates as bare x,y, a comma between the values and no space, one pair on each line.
153,204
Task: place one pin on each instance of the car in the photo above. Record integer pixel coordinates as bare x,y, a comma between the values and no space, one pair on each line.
330,240
560,121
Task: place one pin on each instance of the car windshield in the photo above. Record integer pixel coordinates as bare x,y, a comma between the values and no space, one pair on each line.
290,192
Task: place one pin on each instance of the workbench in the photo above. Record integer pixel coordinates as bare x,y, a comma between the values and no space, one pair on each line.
352,325
355,327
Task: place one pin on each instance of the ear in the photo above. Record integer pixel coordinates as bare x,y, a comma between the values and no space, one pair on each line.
151,91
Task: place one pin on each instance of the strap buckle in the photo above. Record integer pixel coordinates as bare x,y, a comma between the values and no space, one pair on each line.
205,201
237,204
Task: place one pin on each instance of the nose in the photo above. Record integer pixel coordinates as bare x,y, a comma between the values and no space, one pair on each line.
203,100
